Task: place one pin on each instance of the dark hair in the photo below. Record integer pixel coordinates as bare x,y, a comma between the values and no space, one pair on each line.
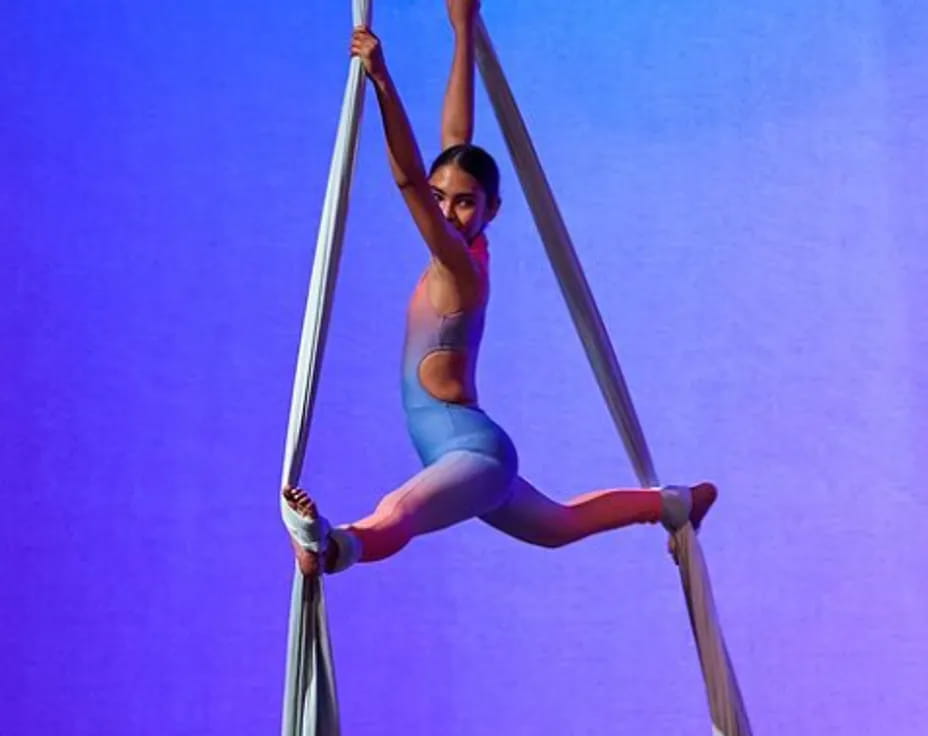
476,162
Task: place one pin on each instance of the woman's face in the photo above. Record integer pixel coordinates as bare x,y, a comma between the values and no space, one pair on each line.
462,200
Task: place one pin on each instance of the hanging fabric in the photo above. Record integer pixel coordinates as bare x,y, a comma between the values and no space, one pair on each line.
310,702
310,705
729,717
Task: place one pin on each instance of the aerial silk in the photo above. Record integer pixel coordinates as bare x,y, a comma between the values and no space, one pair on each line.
310,702
726,706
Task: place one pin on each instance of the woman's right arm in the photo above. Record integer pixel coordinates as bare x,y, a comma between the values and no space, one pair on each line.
445,243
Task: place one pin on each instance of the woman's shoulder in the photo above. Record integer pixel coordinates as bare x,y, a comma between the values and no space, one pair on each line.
447,287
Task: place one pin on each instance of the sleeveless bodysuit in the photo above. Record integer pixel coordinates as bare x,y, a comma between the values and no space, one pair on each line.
438,427
470,463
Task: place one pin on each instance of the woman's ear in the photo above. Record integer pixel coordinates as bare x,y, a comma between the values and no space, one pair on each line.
493,209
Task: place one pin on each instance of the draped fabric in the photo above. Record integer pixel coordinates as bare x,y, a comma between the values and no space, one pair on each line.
726,707
310,700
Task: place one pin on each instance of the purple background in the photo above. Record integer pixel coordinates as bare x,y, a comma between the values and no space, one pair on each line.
745,184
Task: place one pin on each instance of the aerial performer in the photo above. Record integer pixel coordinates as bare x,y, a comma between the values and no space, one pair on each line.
470,464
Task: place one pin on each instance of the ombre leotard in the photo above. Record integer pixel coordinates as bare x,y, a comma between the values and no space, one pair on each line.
436,426
470,463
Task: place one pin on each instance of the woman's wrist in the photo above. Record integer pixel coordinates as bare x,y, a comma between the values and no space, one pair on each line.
381,80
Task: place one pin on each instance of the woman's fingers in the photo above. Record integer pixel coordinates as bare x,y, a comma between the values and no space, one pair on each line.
366,46
361,34
364,36
361,47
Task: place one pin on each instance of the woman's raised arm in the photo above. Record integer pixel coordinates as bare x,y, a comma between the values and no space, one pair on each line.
445,243
457,115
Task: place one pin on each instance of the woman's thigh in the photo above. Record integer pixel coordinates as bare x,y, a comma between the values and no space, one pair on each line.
459,485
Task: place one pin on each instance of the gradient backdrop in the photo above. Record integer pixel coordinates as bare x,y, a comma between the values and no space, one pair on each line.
745,183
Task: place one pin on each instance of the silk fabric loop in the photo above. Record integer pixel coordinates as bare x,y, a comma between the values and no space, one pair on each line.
310,699
726,706
310,706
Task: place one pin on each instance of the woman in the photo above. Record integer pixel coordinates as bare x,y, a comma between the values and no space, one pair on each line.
471,466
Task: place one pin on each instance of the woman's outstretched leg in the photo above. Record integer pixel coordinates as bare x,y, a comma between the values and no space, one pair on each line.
458,486
531,516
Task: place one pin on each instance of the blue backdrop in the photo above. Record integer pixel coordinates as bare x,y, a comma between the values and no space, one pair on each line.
745,184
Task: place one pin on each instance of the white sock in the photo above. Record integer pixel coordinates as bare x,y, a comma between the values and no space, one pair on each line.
676,505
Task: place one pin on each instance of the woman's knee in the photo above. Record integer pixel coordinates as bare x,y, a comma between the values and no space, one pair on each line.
499,486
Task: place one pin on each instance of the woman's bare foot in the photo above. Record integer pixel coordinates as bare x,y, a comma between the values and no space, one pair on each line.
303,505
307,561
704,496
297,500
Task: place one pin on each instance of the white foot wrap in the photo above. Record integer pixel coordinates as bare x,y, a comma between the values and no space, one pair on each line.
676,505
348,548
311,534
